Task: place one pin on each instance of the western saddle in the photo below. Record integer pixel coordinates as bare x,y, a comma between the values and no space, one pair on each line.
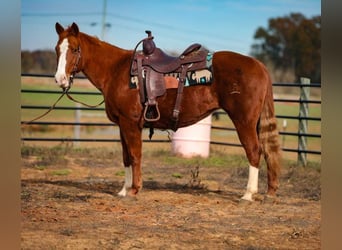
151,64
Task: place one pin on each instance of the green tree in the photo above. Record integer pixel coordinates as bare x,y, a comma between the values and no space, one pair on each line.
39,61
291,43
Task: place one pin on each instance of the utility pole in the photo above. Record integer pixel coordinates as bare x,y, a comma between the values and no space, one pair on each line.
104,19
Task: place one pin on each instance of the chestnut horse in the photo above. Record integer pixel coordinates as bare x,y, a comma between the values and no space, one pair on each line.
241,86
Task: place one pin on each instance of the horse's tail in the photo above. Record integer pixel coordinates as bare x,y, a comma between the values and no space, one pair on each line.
269,140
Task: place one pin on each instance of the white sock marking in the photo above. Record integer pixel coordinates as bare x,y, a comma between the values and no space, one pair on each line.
252,185
128,181
60,75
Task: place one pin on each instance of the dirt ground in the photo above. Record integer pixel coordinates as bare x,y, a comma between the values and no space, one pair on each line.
69,201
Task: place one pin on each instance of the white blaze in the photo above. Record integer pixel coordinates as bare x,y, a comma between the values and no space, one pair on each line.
60,76
252,185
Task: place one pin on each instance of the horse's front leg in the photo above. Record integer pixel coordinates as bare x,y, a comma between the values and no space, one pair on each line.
128,167
130,134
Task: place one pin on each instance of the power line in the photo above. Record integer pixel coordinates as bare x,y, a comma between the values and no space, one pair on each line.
52,14
217,39
136,20
170,27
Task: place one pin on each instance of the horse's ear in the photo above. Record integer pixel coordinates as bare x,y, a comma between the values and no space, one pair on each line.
74,29
59,28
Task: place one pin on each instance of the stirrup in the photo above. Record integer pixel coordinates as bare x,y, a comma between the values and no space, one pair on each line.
150,112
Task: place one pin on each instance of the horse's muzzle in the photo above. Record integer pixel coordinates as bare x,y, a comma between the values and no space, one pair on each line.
63,81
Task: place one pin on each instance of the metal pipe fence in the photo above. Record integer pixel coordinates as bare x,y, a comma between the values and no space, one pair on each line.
301,134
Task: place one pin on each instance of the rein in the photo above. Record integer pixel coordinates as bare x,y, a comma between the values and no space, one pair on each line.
71,80
49,110
65,92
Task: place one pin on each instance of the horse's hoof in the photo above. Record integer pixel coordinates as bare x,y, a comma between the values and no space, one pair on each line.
270,199
134,191
128,200
122,194
131,198
244,202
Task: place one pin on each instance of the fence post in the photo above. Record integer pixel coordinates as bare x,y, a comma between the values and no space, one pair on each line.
77,128
303,123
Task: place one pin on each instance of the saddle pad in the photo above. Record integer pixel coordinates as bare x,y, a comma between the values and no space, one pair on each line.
171,82
198,77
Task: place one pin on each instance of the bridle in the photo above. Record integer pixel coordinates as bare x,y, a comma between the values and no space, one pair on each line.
74,69
71,80
66,90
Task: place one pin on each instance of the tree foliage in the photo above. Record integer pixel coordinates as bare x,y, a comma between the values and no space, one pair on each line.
39,62
291,43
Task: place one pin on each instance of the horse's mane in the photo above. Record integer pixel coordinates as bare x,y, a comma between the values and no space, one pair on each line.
95,40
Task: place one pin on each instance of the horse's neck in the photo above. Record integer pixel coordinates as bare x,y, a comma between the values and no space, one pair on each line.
101,60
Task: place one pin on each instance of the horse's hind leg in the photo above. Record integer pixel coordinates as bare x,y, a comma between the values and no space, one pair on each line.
249,139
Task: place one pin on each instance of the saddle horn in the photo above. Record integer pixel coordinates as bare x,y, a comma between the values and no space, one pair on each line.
148,44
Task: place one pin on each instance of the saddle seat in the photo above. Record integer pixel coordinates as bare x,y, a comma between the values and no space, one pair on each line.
164,63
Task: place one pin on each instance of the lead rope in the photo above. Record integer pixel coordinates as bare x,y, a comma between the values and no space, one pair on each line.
65,91
71,80
49,110
84,104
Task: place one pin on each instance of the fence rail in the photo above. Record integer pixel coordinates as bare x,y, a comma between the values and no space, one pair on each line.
299,117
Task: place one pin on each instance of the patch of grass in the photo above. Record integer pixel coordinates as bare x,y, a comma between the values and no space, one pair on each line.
215,160
120,173
177,175
60,195
96,152
25,195
67,232
39,167
52,158
47,156
310,165
159,153
61,172
314,165
27,151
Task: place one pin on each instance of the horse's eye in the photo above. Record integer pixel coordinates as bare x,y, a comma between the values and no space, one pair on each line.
75,50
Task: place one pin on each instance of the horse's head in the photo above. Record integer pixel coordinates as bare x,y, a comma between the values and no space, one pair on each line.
68,52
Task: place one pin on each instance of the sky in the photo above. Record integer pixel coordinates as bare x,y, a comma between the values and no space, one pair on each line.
175,24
